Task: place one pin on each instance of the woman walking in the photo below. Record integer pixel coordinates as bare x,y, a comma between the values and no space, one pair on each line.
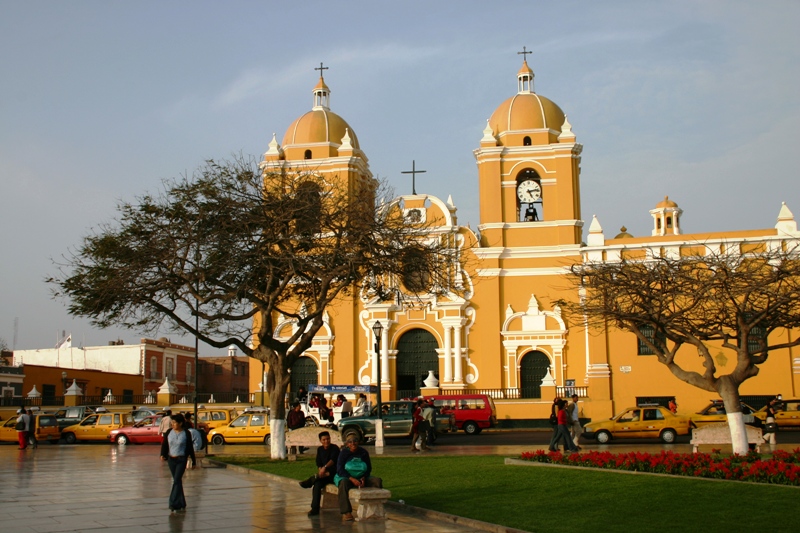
175,449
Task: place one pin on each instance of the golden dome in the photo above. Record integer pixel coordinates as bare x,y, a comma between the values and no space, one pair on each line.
526,111
623,234
319,126
666,203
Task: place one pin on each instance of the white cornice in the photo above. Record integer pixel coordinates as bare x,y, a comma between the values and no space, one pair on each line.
524,225
528,252
518,272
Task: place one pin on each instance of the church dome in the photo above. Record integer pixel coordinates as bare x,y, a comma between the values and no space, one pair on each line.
320,125
666,202
526,110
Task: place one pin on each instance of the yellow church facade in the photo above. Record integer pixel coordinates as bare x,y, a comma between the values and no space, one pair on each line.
498,331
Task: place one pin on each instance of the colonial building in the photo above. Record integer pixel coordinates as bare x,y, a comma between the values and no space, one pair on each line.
496,328
153,361
229,374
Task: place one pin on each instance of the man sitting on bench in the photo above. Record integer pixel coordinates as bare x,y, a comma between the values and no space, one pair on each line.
327,456
353,469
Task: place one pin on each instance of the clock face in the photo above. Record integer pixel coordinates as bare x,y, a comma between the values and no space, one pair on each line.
529,191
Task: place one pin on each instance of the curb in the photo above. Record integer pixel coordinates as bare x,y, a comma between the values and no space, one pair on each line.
394,506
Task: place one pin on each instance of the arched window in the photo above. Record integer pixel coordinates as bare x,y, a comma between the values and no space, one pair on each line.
307,155
416,271
154,368
526,141
188,372
532,370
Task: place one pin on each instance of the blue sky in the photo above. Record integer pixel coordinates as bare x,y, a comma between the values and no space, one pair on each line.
100,101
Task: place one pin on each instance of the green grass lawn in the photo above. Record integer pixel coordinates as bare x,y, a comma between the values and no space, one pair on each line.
564,499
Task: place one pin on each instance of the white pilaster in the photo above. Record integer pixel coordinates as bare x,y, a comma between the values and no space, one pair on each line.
385,357
457,373
448,370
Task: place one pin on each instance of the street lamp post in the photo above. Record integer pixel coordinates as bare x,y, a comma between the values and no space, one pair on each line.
377,329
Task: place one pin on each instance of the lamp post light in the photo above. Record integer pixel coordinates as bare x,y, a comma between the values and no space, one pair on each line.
377,329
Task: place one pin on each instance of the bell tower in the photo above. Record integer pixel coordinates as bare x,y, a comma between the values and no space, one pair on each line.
528,172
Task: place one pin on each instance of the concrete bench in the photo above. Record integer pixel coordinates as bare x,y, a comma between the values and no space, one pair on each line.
717,434
368,502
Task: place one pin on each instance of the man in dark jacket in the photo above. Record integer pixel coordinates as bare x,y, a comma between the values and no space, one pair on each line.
327,456
295,420
352,451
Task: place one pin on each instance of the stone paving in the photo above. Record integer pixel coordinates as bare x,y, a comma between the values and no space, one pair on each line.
120,489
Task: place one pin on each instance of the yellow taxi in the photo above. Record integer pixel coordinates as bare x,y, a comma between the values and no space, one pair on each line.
787,414
96,427
45,427
643,422
714,413
251,426
214,418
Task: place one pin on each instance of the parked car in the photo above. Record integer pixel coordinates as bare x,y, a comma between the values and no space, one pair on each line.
473,412
69,416
787,414
639,423
715,413
396,421
96,427
142,432
251,426
45,427
143,412
209,418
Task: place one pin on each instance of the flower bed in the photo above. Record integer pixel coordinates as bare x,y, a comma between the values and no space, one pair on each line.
783,468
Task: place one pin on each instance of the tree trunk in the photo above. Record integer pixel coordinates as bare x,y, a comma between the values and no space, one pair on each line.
277,421
729,393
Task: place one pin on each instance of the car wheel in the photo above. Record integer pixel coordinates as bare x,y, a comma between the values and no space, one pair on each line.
122,440
217,440
351,431
268,440
603,437
668,436
471,428
69,438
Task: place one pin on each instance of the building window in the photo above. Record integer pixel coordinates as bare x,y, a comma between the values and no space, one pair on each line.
307,155
217,369
188,371
526,141
757,339
650,333
235,369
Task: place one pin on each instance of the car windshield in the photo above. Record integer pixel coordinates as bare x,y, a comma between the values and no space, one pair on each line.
240,422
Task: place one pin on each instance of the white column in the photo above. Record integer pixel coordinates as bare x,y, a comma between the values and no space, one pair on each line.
457,377
448,371
385,357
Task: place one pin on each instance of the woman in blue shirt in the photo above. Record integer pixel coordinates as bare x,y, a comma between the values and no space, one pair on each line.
175,448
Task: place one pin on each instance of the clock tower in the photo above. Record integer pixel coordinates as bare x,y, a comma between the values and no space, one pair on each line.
528,168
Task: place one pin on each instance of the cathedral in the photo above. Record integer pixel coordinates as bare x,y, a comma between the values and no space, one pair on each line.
500,333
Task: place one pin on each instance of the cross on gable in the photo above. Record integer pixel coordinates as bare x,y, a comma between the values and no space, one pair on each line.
413,173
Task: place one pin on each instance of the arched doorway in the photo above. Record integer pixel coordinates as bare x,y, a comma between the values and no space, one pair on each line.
304,373
416,354
533,368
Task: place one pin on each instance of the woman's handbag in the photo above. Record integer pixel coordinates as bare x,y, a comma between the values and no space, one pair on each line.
20,426
771,427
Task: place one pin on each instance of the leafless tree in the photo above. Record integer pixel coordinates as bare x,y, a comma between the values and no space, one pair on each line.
742,302
238,251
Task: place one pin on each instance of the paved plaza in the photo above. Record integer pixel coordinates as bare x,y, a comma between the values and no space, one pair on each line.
96,487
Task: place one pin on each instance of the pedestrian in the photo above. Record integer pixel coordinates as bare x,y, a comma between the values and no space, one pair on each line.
573,419
362,405
673,406
327,456
353,469
188,417
176,448
562,431
22,425
770,437
301,394
32,440
416,421
165,424
347,408
554,423
428,427
295,420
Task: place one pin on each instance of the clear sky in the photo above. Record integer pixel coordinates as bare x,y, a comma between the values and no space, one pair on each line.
100,101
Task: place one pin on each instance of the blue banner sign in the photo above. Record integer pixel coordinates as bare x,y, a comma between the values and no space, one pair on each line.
342,389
